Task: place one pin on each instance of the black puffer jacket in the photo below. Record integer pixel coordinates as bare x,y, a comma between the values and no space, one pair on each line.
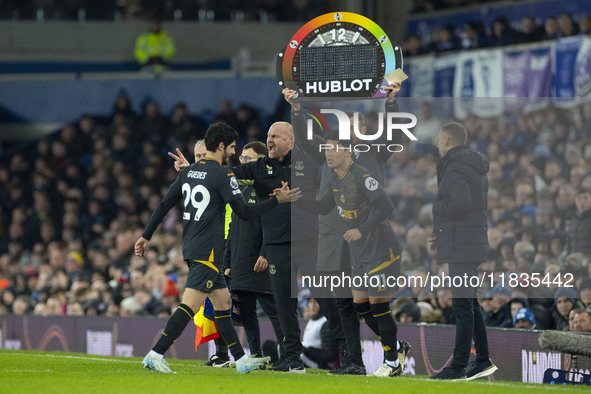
459,213
267,175
243,247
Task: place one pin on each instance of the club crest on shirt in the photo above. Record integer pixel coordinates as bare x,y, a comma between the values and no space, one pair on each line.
272,269
269,169
299,165
209,284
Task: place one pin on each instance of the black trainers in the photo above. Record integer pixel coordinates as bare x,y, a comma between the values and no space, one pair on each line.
480,369
291,366
217,362
279,363
403,352
349,369
450,373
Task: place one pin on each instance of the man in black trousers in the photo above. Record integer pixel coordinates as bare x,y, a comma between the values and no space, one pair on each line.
460,239
246,263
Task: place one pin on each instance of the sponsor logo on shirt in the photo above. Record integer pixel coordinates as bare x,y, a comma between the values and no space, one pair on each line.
371,184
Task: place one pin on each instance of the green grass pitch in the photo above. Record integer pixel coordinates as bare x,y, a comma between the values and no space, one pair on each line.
67,373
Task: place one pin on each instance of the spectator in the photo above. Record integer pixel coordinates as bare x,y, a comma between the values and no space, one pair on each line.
185,127
530,32
74,309
579,230
413,46
524,318
473,36
153,126
585,25
571,318
408,313
227,115
21,305
53,307
582,321
564,301
443,39
502,33
515,304
320,346
170,295
500,313
551,28
585,293
566,26
155,48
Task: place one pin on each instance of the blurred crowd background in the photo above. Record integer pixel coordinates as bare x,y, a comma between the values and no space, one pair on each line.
73,203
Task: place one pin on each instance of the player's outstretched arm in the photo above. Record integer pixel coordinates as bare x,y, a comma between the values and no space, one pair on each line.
323,206
289,95
282,195
172,197
285,195
391,106
298,122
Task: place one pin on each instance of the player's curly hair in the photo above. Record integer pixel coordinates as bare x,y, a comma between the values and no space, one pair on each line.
219,132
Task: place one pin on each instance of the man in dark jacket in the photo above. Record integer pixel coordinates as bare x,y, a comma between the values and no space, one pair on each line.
288,245
246,263
460,239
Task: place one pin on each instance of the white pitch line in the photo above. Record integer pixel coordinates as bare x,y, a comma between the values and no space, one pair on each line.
113,360
498,383
25,370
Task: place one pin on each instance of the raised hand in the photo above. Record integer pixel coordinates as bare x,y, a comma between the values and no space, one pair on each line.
394,88
179,160
289,94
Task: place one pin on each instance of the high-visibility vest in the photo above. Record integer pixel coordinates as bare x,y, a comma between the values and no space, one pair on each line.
154,45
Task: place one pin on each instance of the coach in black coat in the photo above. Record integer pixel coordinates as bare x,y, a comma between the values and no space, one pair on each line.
460,239
243,248
459,214
245,256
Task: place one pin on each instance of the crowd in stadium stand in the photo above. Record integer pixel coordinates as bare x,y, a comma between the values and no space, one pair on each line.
475,35
74,203
204,10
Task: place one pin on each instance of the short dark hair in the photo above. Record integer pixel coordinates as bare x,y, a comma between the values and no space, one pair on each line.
585,284
258,147
456,132
219,132
582,190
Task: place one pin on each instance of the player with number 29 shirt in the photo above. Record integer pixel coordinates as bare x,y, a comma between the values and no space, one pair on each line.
205,188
